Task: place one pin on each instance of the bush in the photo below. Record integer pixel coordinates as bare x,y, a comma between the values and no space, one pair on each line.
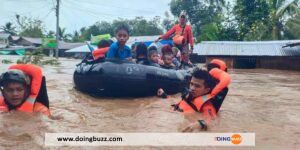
6,61
37,57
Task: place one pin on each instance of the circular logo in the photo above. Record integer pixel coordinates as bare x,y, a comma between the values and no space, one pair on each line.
236,139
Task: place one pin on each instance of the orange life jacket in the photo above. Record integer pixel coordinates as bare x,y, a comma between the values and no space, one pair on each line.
99,53
219,62
26,107
29,104
198,102
223,78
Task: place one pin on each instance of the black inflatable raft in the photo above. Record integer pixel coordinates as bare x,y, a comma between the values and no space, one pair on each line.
123,78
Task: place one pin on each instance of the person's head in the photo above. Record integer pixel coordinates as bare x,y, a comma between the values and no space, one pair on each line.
141,51
122,34
167,58
103,44
166,49
183,17
217,63
153,56
201,83
15,87
152,48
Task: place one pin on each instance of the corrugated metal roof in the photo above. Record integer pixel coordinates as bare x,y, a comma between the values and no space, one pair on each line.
130,41
17,48
133,39
80,49
235,48
33,40
67,46
14,38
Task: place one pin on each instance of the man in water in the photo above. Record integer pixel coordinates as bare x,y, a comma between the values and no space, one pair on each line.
196,99
20,87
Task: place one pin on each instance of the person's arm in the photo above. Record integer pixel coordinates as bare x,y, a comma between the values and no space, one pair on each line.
161,93
209,113
191,38
90,47
39,107
129,54
166,35
129,59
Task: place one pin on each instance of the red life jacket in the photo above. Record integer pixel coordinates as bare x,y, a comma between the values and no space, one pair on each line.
36,75
99,53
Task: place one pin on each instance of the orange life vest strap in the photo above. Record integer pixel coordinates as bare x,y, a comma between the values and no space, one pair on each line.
195,105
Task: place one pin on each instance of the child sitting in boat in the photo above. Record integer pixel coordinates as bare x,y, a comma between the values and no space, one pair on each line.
119,49
103,47
99,53
153,57
168,50
177,57
141,53
168,64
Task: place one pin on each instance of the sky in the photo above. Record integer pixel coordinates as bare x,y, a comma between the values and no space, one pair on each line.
75,14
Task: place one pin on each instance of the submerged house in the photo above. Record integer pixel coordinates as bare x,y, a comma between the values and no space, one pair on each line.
264,54
37,42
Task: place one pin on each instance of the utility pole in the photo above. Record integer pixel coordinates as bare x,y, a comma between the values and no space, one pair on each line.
57,29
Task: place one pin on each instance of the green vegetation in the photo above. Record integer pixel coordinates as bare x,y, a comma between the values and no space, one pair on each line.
243,20
37,58
6,61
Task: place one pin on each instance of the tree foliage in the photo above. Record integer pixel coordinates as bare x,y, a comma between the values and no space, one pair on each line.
210,19
30,27
9,28
292,29
137,27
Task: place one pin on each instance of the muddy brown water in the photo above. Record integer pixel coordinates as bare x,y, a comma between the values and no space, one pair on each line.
261,101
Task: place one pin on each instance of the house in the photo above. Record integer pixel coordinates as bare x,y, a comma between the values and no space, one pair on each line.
263,54
27,41
37,42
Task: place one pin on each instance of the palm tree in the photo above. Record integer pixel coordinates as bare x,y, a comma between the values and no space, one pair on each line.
279,10
293,27
76,37
9,28
62,34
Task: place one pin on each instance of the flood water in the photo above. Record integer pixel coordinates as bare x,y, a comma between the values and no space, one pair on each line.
261,101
